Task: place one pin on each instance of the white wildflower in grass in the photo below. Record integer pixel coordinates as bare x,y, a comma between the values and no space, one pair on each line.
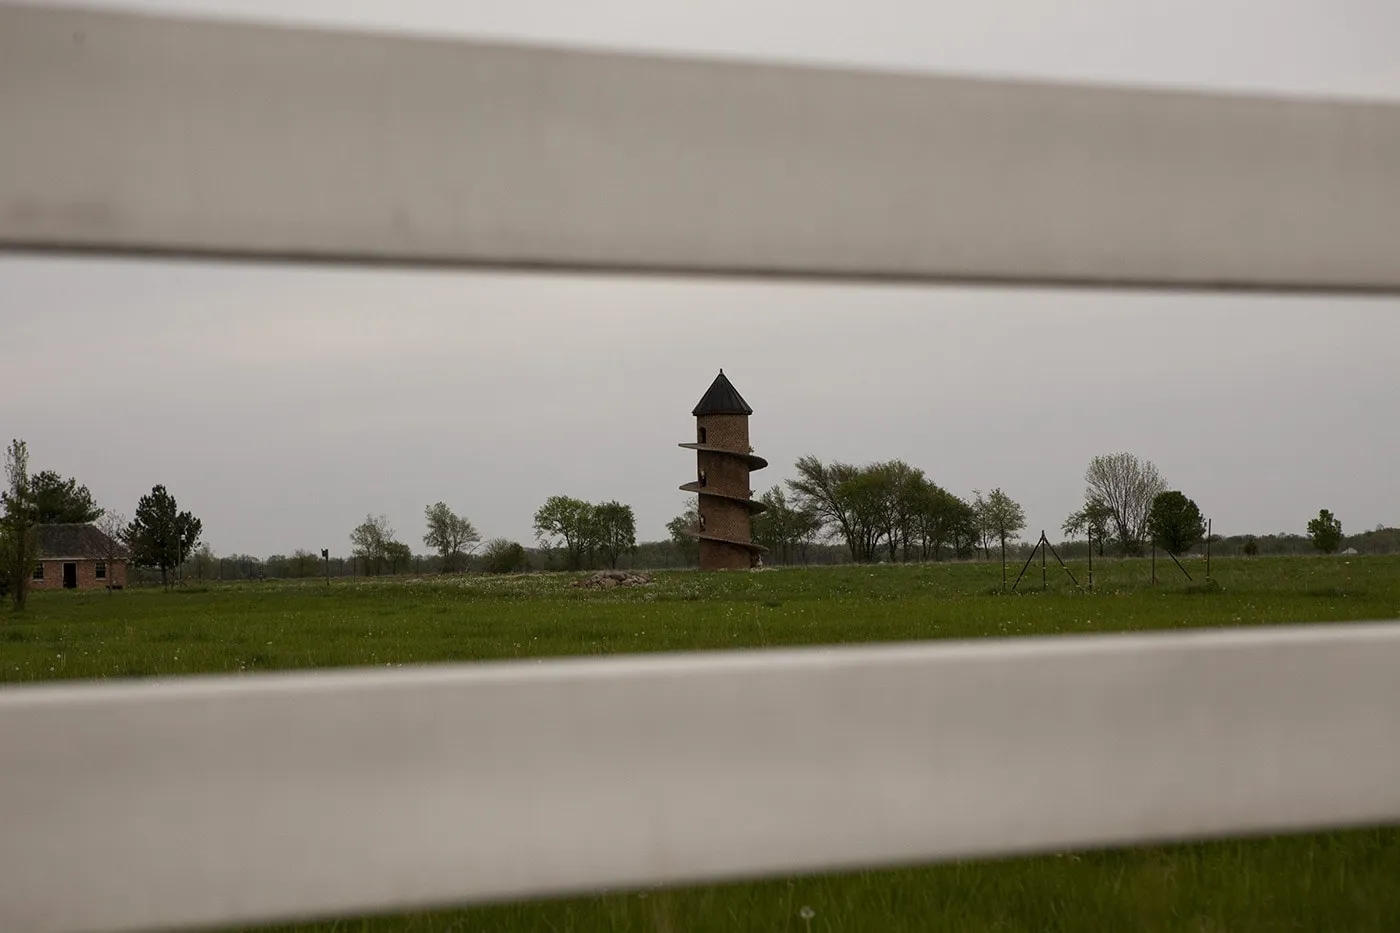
807,913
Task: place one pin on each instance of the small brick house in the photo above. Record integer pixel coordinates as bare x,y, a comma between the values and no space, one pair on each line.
78,557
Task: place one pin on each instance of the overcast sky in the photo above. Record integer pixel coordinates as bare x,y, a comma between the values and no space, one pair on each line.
283,404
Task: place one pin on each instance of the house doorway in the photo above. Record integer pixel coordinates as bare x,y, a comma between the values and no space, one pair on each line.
70,576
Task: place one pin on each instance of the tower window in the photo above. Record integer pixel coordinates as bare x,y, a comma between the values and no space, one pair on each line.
702,523
702,478
701,434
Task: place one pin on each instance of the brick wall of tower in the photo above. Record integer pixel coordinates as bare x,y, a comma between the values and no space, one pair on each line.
730,432
725,518
716,555
728,475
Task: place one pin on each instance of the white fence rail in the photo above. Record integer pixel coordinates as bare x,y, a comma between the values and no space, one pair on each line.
216,801
133,133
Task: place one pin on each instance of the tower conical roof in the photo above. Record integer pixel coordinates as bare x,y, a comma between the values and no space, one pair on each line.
721,398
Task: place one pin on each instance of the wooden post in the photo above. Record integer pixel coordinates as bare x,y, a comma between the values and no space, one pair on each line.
1044,585
1208,549
1091,560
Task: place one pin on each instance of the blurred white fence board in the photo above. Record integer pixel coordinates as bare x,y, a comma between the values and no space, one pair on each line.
233,800
135,133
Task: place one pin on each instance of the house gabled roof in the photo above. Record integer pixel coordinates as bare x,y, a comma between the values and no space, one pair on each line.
82,542
721,398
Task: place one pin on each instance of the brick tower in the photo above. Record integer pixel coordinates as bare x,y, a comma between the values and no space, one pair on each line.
722,479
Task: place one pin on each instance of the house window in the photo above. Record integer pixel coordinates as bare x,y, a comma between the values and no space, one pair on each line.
102,570
701,433
38,571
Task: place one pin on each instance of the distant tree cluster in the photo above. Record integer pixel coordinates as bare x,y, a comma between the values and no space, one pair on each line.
787,529
583,534
1127,502
504,556
1118,496
375,544
888,509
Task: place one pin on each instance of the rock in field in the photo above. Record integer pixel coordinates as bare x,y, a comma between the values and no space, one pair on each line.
607,579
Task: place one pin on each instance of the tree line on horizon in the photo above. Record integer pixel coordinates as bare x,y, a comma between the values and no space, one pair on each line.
573,533
828,512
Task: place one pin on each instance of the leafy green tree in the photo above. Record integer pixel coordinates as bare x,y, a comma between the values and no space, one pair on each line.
19,536
370,542
1095,520
304,563
160,535
398,556
504,556
1174,523
940,519
1325,532
828,491
979,508
62,501
450,534
568,525
888,504
1125,486
243,567
204,561
866,505
999,517
784,528
866,496
895,485
687,545
614,531
1251,546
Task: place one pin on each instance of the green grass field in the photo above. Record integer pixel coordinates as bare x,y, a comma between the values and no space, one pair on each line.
1335,881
